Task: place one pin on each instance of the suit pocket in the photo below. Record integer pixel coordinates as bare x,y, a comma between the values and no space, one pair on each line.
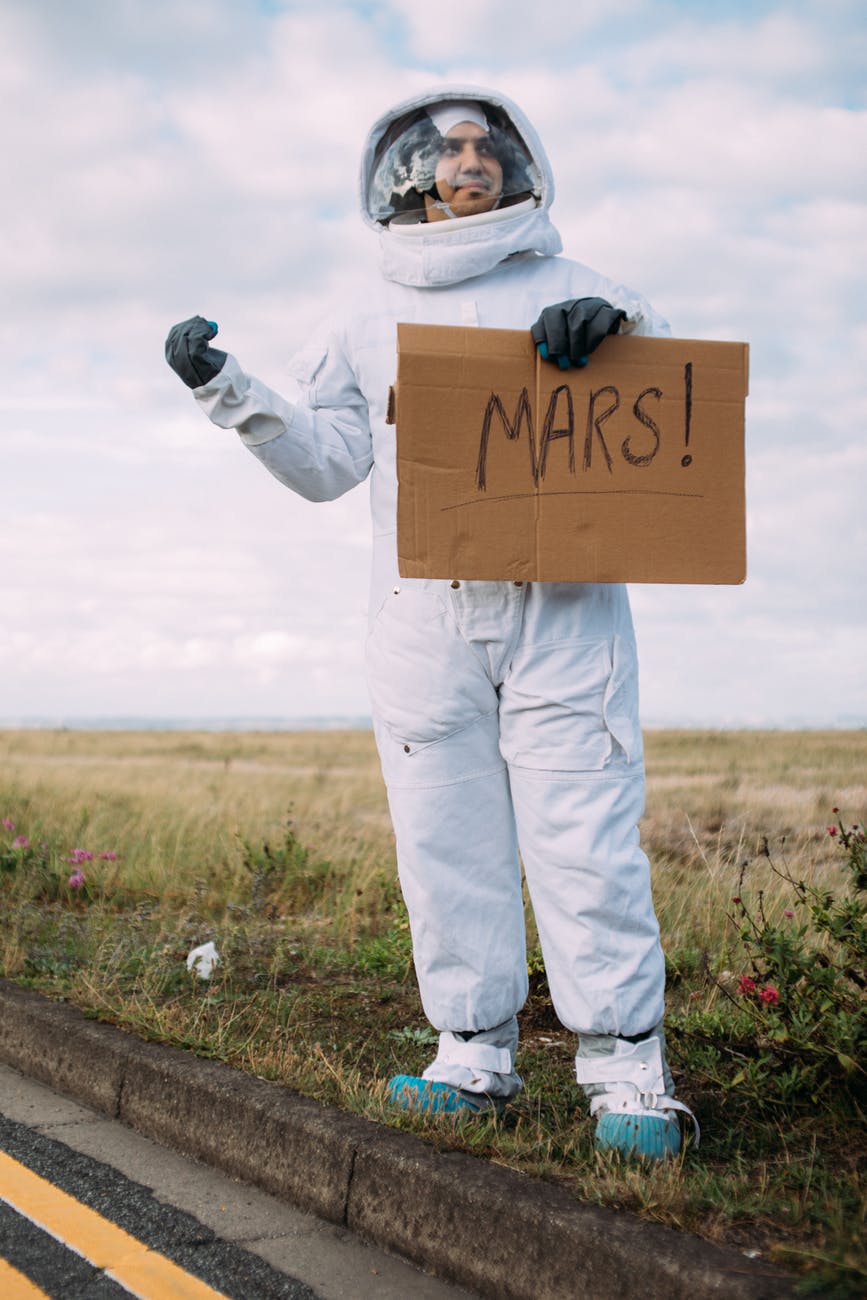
571,705
425,682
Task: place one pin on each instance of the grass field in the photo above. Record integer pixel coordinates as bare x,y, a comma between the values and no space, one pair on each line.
278,847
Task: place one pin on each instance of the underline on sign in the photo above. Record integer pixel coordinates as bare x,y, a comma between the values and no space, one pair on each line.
575,492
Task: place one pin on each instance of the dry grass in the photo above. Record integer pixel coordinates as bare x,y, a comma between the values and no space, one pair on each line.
316,989
178,807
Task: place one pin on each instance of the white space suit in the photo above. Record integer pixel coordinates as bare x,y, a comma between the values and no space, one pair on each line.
506,715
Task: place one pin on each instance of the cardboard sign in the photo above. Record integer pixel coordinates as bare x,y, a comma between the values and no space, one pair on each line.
630,469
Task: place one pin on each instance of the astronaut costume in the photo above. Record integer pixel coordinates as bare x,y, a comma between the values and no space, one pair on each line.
505,713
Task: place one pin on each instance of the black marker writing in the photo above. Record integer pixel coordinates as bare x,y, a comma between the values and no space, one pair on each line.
644,458
596,422
549,433
687,410
523,413
638,448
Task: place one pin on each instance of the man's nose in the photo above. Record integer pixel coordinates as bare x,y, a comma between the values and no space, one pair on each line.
470,159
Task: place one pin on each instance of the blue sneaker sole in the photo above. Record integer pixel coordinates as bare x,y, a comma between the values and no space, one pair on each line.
425,1098
643,1137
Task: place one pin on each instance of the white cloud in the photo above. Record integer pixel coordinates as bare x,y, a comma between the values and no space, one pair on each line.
782,48
461,34
170,158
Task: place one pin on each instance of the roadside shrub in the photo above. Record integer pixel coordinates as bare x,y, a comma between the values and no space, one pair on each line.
790,1033
286,876
47,873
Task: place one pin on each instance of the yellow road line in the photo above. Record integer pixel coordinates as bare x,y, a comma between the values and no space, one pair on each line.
15,1286
134,1266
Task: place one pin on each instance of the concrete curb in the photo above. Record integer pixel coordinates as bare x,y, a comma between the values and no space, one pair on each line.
487,1228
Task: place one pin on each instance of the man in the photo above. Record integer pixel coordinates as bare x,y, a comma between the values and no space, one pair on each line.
505,713
469,176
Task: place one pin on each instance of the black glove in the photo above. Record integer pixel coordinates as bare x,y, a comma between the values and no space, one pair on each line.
569,331
188,354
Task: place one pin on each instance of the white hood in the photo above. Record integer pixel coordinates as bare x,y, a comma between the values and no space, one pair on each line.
446,252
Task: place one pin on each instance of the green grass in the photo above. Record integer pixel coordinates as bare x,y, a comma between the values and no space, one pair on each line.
279,848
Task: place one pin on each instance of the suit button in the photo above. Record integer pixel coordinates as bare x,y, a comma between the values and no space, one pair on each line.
455,582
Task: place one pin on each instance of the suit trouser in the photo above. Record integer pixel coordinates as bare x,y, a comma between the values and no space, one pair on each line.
506,719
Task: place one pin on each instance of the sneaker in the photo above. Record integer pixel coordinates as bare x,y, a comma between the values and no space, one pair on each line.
473,1071
410,1092
635,1114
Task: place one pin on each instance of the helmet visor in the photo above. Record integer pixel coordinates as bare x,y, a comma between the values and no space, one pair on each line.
452,159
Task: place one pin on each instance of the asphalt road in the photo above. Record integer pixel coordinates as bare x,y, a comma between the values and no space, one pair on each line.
201,1227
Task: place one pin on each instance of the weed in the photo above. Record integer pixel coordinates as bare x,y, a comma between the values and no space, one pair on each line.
415,1036
184,839
789,1034
286,875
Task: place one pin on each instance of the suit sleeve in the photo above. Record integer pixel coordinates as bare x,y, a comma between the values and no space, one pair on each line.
320,445
640,316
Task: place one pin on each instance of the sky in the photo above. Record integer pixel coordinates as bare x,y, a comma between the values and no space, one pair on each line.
165,158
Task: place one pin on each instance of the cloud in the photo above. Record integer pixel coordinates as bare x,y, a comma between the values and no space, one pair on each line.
184,610
455,32
175,158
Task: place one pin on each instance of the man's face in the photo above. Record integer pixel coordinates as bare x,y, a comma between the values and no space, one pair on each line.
468,176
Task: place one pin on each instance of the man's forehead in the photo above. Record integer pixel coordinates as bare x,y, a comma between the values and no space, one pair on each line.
466,131
450,114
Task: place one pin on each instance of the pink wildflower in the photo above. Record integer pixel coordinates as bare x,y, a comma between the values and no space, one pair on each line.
770,995
108,857
77,856
832,830
746,985
787,911
21,842
76,880
8,824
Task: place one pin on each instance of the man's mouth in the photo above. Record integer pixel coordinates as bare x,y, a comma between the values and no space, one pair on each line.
479,183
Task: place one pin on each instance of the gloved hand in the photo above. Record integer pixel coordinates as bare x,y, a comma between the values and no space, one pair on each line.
188,354
569,331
